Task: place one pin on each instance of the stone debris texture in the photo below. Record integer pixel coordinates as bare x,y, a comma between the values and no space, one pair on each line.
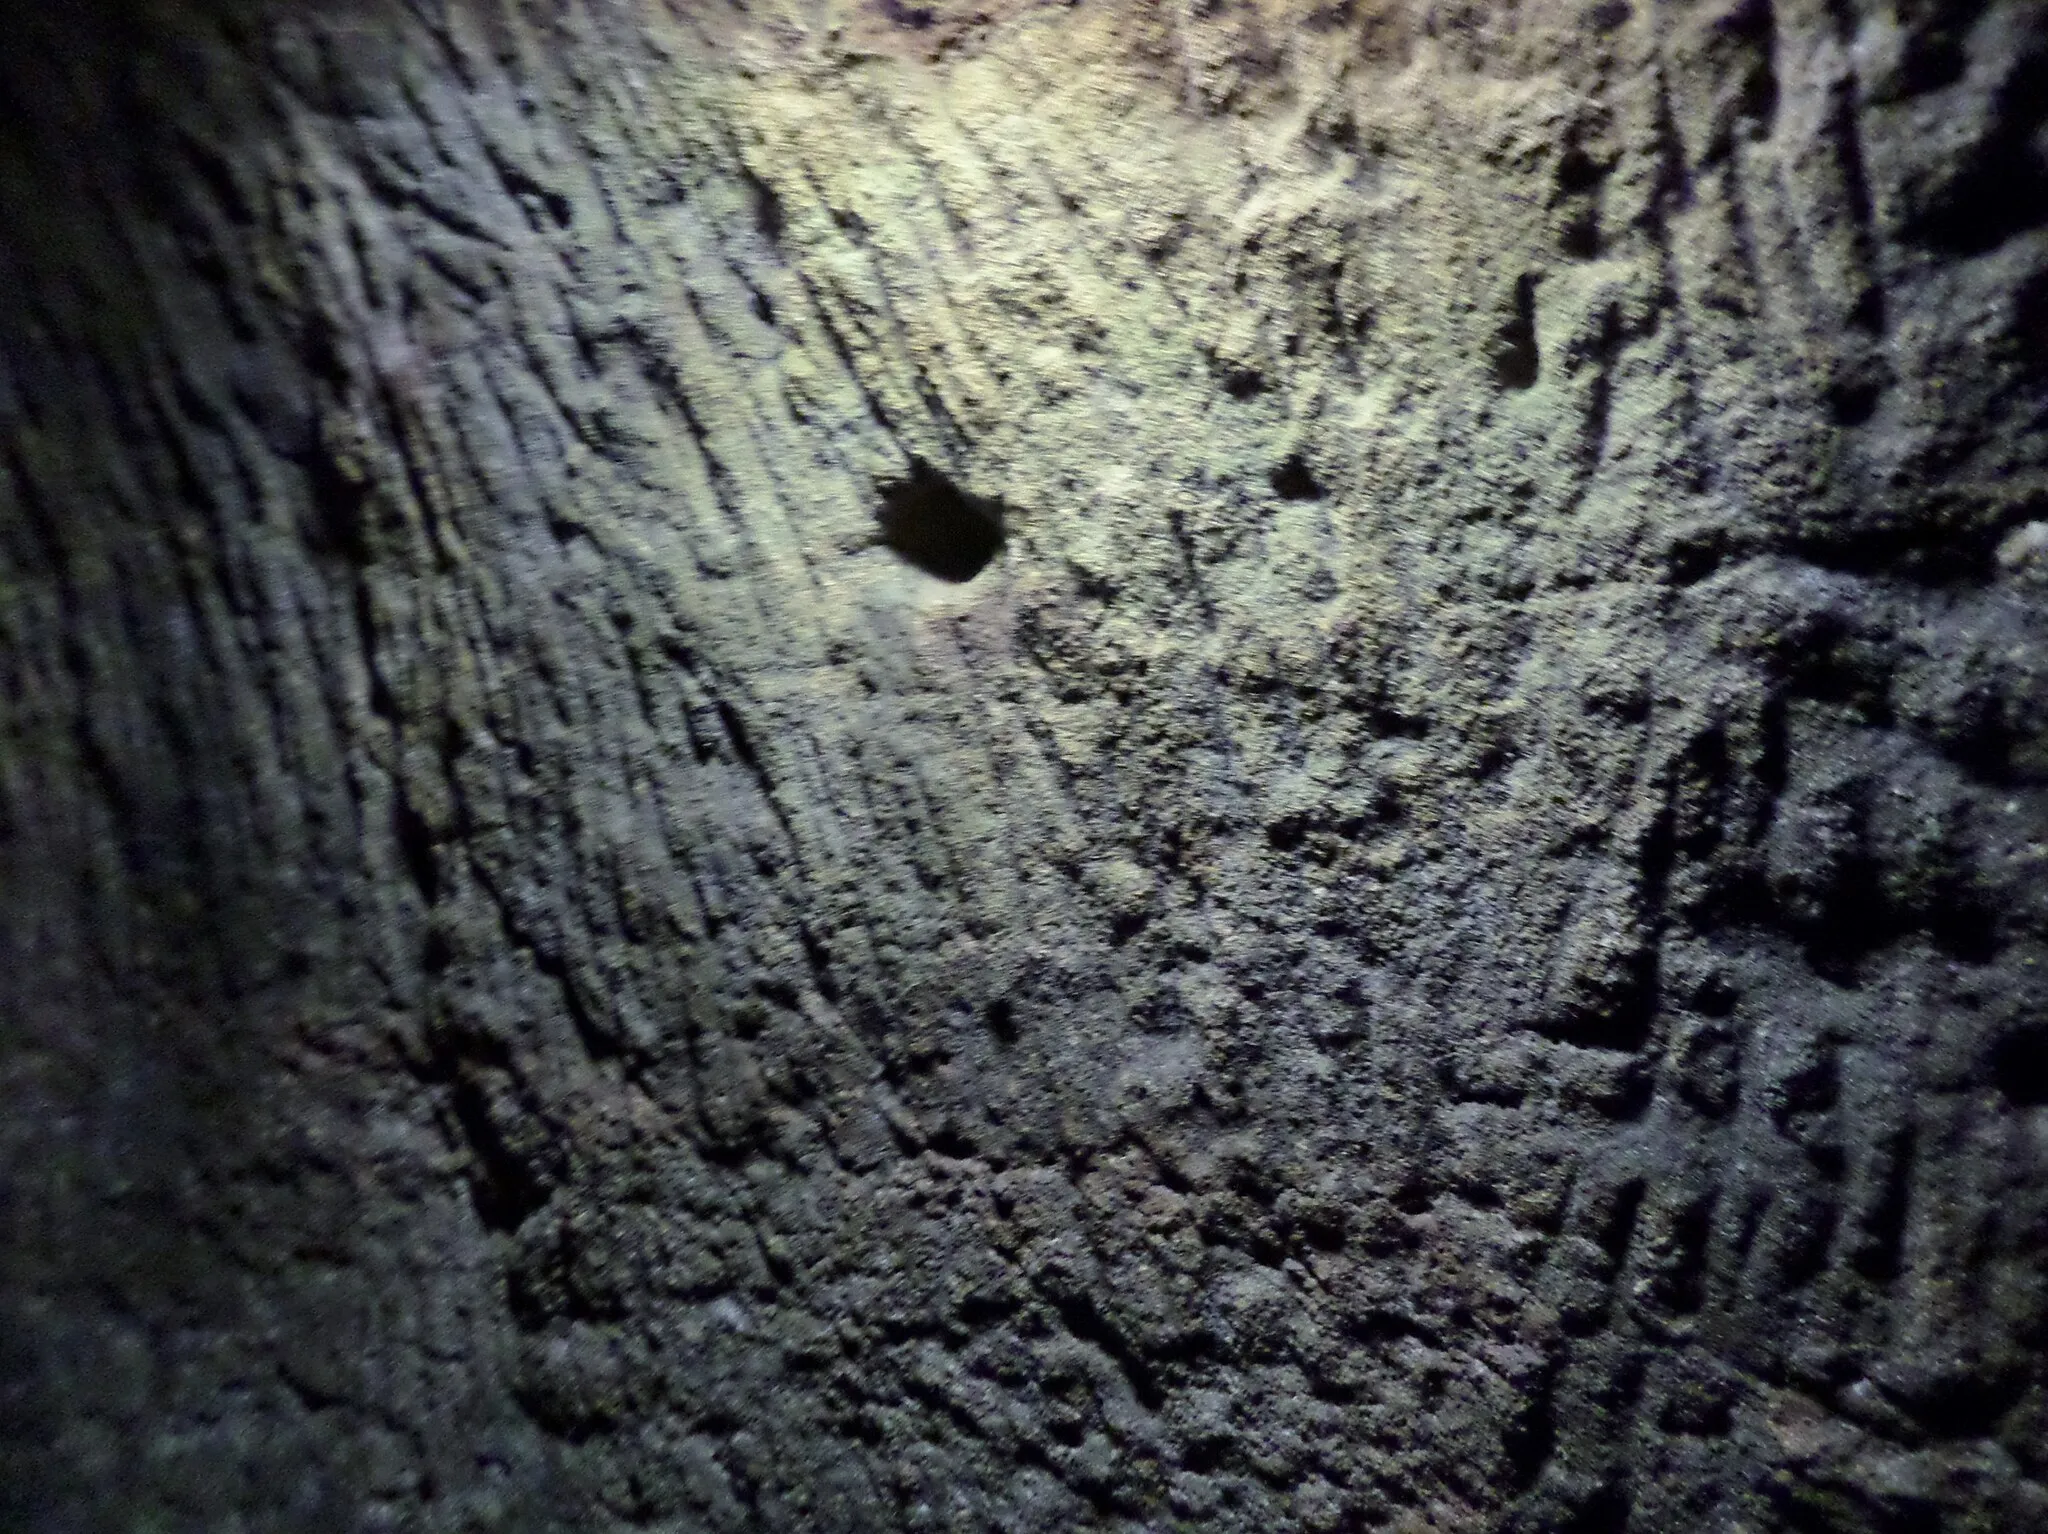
1211,765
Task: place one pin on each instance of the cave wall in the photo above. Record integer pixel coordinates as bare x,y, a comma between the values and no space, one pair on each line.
865,767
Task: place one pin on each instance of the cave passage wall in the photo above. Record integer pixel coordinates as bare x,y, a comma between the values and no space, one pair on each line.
1223,766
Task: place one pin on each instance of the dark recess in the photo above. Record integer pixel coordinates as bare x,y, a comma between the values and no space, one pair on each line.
769,217
1514,356
2000,188
1292,481
2019,1065
937,526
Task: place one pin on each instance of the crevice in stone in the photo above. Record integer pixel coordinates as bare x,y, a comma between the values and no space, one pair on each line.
1513,353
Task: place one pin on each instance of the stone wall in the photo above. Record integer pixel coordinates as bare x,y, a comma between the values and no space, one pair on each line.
1209,765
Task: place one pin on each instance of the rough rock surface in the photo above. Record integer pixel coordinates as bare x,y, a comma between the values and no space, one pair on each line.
1218,765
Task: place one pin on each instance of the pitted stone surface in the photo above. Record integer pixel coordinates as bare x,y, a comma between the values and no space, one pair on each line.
866,767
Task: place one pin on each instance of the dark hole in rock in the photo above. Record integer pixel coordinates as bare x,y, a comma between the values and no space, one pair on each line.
1853,401
2000,189
1292,481
2019,1066
1580,237
1603,1511
1514,356
1965,929
1286,833
769,217
1244,383
1965,1395
937,526
416,842
1610,16
1578,171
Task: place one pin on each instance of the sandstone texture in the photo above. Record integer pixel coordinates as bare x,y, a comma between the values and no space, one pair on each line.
1209,765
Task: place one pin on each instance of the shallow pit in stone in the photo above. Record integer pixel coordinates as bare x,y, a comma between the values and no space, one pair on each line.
932,523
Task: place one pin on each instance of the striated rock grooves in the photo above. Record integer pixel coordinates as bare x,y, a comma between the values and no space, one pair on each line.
1211,765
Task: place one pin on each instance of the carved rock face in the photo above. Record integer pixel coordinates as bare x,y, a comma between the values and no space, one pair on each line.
1238,766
